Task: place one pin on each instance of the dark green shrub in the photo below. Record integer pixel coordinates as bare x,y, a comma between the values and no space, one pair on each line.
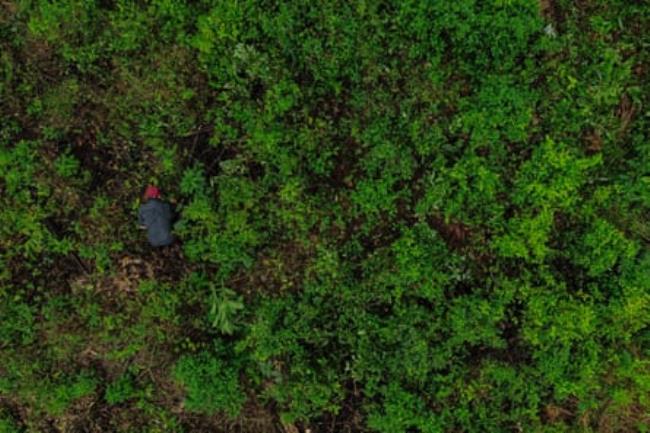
212,385
8,426
120,390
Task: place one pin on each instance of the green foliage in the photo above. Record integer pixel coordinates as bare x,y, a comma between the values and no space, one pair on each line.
7,425
221,233
120,390
402,411
225,305
51,396
17,326
393,216
193,181
65,394
66,165
211,384
603,246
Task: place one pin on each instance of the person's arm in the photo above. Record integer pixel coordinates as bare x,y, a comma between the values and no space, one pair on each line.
141,222
169,213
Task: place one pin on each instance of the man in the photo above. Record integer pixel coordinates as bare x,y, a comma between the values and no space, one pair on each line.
156,216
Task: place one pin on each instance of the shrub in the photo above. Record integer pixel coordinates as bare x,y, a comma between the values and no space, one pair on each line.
120,390
211,384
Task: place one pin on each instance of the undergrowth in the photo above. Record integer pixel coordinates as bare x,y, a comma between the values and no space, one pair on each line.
394,217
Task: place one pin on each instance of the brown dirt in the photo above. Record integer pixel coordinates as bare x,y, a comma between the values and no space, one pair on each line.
348,420
625,112
594,142
131,271
276,274
545,7
455,233
254,419
8,7
550,11
553,413
619,419
168,263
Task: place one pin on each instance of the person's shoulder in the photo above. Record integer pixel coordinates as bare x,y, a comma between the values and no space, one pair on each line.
153,202
150,205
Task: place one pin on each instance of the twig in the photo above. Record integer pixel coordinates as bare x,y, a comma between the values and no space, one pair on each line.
215,160
199,131
80,263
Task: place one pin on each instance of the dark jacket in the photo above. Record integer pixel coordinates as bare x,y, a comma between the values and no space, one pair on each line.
157,216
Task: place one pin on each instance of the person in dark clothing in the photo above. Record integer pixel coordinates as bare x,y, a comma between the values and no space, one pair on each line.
156,216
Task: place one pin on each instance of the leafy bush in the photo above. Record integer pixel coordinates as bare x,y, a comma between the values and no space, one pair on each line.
120,390
211,384
8,426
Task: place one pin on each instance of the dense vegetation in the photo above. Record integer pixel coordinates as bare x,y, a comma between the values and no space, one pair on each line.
395,216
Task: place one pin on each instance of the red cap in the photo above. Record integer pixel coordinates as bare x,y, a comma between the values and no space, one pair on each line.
151,192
